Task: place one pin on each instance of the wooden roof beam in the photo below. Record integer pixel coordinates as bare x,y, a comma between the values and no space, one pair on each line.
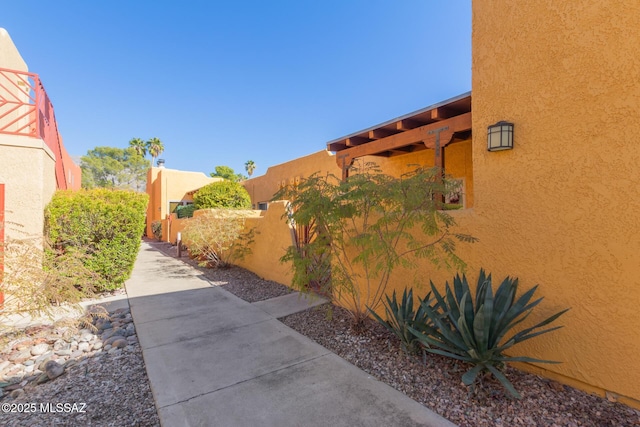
443,113
354,141
415,136
380,133
407,124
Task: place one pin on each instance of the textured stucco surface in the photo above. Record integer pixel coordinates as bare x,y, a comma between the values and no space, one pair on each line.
27,168
562,209
10,56
169,185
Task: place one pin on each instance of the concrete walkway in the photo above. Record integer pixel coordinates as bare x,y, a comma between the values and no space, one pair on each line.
216,360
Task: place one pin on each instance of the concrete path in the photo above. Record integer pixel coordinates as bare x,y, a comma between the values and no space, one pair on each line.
216,360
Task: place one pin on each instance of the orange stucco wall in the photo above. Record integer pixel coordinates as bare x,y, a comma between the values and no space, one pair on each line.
562,208
458,163
170,185
262,188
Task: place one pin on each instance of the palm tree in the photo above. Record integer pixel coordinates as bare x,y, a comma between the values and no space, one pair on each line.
155,147
250,166
139,146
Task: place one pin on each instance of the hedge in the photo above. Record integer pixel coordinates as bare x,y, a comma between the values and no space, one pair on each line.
222,194
106,225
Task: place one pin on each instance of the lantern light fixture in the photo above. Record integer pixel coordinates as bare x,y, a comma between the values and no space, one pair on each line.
500,136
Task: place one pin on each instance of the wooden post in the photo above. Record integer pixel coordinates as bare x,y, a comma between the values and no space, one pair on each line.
439,159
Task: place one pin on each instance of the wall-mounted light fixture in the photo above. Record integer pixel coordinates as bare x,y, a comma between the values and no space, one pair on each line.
500,136
160,163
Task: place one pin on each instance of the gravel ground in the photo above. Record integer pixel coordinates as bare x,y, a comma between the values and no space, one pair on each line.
433,380
116,389
104,386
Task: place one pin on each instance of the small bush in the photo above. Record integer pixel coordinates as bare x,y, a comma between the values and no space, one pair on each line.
218,238
222,194
477,333
104,226
34,282
156,229
185,211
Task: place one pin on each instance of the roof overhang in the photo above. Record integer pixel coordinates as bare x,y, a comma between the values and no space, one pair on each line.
440,124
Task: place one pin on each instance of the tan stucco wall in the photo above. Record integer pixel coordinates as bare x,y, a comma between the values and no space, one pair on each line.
562,208
27,168
9,55
169,185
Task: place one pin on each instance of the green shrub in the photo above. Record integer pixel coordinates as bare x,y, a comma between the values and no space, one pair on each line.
185,211
104,225
400,317
222,194
476,333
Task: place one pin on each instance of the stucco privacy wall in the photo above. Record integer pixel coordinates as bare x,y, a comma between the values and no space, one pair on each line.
27,165
170,185
563,207
262,188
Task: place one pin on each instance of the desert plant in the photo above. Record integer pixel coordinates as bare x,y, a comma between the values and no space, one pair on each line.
34,282
402,316
104,226
185,211
156,229
222,194
365,227
218,237
475,333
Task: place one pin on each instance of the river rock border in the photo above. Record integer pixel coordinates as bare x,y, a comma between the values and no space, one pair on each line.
45,352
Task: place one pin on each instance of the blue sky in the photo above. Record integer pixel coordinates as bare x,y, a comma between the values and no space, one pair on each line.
221,83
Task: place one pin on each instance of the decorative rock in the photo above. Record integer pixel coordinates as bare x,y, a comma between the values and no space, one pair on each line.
107,347
43,364
76,354
86,337
97,345
84,346
103,326
39,349
43,378
60,345
53,369
29,369
63,352
112,339
20,356
4,364
16,394
29,363
120,343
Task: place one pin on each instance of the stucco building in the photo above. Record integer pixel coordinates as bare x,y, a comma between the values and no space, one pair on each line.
559,208
33,160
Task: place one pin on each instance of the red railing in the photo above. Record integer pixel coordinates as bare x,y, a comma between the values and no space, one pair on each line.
25,110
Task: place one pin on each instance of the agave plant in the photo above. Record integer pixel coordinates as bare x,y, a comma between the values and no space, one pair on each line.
480,333
402,316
